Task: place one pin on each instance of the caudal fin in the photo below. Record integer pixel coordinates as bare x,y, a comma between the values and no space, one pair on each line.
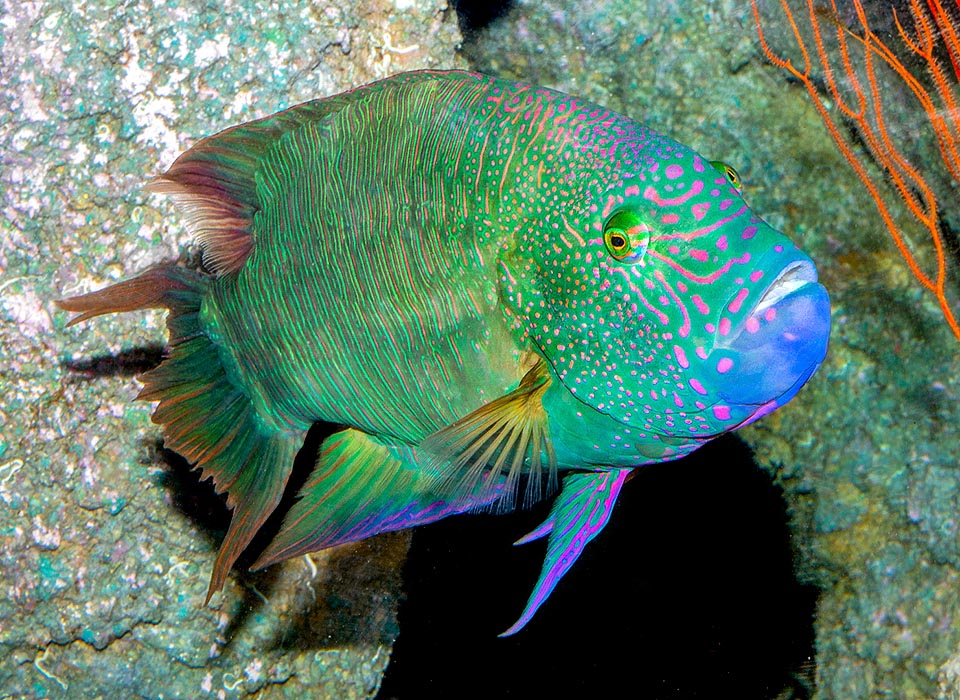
205,417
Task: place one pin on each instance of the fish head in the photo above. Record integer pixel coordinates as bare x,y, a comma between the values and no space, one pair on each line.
666,304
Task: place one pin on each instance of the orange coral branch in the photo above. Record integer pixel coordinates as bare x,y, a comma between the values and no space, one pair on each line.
861,102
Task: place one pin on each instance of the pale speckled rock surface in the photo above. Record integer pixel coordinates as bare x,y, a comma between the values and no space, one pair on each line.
104,556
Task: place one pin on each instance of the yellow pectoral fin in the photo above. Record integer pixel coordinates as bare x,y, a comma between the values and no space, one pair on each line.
480,457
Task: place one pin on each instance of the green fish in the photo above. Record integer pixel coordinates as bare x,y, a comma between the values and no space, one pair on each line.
489,286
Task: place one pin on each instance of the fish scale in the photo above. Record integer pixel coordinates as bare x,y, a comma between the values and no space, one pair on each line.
487,285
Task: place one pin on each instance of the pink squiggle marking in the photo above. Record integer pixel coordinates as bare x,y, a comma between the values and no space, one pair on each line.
684,329
738,301
681,356
700,279
652,194
608,207
696,233
634,288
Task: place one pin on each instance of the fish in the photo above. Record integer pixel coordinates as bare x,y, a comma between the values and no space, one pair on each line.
495,291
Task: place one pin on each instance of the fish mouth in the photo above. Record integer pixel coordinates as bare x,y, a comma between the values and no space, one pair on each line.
779,345
790,279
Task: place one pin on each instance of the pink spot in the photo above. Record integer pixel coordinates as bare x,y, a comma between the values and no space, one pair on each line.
669,218
770,314
721,412
699,255
738,301
700,304
710,328
681,356
698,165
724,365
700,405
681,287
725,204
700,210
753,325
698,387
674,250
756,275
674,171
724,326
632,191
748,233
714,193
701,352
778,248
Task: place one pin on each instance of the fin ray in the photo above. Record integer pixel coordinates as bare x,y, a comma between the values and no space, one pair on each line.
504,435
206,418
578,515
360,487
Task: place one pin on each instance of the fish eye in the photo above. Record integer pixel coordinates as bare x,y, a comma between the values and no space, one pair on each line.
729,172
626,237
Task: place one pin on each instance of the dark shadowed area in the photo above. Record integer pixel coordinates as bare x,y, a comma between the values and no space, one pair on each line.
474,15
688,593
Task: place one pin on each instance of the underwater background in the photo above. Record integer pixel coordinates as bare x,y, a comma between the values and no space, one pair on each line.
824,566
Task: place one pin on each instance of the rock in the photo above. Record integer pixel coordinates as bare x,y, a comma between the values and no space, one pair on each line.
106,542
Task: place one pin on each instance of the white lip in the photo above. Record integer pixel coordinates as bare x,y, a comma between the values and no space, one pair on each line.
788,281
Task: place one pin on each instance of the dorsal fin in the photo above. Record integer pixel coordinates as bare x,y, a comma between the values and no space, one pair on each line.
214,183
508,435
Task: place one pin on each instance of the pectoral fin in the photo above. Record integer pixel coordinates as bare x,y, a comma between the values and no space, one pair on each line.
579,513
505,437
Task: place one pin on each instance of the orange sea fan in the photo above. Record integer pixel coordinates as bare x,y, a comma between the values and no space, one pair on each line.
847,75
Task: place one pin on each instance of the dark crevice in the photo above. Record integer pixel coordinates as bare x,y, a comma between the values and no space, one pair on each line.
474,15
